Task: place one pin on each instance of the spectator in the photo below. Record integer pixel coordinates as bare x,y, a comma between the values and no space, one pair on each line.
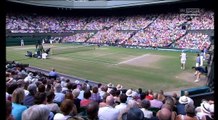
8,110
66,107
53,74
29,99
53,107
122,106
155,103
108,112
92,111
190,113
71,97
133,114
76,99
59,96
205,111
103,103
17,99
164,114
145,106
36,112
183,100
95,95
86,100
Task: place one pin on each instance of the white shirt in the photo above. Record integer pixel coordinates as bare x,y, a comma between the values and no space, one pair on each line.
59,97
121,106
81,95
60,116
147,113
108,113
183,56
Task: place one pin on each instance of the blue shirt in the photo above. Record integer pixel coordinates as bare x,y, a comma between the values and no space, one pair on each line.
198,59
17,110
181,109
53,74
29,100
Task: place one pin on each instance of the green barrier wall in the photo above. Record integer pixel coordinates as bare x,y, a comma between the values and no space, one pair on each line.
15,41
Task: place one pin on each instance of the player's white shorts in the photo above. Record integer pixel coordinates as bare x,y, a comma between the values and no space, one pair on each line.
197,64
183,61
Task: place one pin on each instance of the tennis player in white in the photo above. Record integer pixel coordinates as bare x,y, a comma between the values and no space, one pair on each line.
183,59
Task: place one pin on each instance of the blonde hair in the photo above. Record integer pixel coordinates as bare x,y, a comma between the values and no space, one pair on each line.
18,95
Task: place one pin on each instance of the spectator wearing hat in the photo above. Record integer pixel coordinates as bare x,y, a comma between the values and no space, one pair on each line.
110,86
119,87
17,101
205,111
183,100
129,94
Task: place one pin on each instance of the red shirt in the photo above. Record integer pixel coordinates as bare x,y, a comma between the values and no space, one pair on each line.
149,97
85,102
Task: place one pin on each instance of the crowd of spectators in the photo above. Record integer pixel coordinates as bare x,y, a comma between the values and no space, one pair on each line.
34,96
193,41
78,37
159,30
111,35
204,20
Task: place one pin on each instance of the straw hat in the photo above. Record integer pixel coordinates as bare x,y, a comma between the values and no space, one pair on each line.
119,87
184,100
205,107
129,93
110,85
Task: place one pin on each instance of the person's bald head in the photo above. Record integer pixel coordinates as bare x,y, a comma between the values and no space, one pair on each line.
186,93
110,100
164,114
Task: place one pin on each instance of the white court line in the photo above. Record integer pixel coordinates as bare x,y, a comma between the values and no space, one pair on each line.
133,59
